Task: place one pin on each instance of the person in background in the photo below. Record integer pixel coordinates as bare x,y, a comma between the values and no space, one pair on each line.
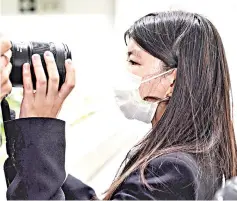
178,68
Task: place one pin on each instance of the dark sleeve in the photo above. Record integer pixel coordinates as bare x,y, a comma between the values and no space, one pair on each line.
36,151
75,189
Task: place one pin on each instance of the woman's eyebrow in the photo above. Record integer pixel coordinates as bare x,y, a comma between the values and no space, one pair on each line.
134,52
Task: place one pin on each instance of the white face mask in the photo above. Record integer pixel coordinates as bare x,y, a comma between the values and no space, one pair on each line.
130,102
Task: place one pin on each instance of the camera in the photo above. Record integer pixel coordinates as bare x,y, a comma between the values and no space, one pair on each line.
22,53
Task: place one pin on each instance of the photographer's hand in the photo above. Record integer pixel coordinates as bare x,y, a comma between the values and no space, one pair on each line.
5,68
47,100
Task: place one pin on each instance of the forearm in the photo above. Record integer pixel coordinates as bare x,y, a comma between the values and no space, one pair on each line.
37,151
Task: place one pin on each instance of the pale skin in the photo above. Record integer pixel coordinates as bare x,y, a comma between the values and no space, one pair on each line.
46,101
144,65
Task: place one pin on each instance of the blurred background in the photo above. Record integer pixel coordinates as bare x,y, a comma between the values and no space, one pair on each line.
98,136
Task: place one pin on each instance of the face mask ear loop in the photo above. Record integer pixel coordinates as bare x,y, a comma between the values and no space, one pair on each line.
165,99
156,76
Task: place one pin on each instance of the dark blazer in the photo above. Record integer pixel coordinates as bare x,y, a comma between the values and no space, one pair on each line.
35,169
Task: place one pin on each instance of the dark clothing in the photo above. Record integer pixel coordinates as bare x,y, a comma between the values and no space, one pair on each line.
35,169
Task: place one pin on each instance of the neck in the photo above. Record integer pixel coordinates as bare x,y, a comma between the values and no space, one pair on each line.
159,113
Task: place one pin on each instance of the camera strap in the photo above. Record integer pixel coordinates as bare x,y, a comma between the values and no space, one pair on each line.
6,114
9,168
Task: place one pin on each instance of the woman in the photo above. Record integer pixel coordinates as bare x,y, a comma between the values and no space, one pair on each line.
180,68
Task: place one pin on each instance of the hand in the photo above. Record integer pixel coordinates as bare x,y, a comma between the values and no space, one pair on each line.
47,100
5,68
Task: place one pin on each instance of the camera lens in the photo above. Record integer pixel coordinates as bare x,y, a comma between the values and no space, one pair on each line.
22,53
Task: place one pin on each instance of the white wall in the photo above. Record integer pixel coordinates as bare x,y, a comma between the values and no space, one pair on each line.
10,7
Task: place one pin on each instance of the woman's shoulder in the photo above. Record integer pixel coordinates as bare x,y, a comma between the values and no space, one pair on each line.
182,165
181,169
178,159
170,176
179,165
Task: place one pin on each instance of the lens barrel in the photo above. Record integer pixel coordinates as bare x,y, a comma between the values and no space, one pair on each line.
22,53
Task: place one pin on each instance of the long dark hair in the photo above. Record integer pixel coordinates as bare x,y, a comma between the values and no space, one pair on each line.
198,118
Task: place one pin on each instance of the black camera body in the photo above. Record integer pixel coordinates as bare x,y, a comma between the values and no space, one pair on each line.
22,53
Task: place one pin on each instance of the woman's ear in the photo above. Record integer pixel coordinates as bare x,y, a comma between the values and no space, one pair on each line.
171,78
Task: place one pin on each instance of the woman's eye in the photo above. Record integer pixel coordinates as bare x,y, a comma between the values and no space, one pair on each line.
133,62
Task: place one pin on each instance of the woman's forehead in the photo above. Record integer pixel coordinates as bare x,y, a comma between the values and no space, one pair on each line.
135,49
133,46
